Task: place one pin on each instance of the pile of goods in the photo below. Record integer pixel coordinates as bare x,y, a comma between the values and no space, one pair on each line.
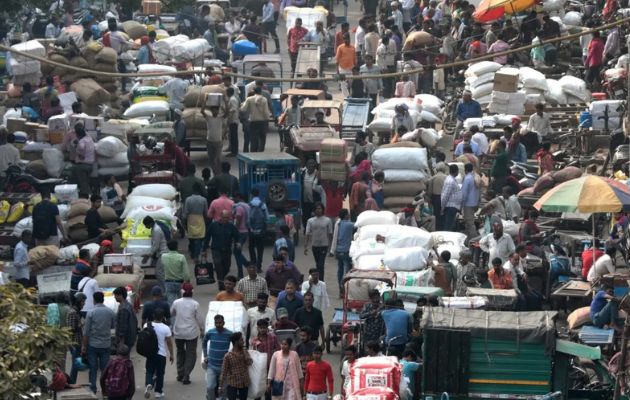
332,157
112,157
26,69
195,98
384,112
405,166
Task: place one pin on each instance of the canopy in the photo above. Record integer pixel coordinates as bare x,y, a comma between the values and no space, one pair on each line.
491,10
588,194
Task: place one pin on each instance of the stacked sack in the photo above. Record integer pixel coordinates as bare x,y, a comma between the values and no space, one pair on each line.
613,109
550,179
384,112
75,225
332,157
479,80
405,170
91,94
432,107
26,69
405,250
567,90
534,85
505,97
112,157
194,100
162,49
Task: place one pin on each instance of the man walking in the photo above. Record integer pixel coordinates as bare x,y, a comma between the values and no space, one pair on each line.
261,311
47,222
252,286
317,373
222,235
294,37
97,341
156,364
234,375
216,343
451,198
310,316
258,215
470,200
258,110
175,271
126,321
187,321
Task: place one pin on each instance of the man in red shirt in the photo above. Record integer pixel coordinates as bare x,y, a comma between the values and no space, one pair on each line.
294,37
588,260
594,58
317,373
345,28
223,203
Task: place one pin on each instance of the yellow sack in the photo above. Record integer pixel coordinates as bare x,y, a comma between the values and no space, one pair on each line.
4,211
16,212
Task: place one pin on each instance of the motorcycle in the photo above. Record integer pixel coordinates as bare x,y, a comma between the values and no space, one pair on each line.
18,181
615,83
525,173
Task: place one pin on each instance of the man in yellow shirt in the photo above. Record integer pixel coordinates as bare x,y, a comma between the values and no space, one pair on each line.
229,294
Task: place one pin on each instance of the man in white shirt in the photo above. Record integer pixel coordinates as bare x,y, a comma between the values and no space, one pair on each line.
319,37
514,267
540,122
386,60
480,139
214,138
259,312
156,365
359,40
88,285
187,322
318,288
604,265
498,244
175,89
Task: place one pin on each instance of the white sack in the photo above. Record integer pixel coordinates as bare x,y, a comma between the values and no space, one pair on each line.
110,146
53,160
400,158
370,217
430,103
118,160
159,190
165,69
68,254
147,109
482,67
598,108
21,225
93,248
162,48
24,67
613,123
155,212
504,119
36,146
233,312
482,90
405,259
532,78
369,232
476,81
422,278
134,202
572,18
575,87
407,236
403,175
190,50
555,94
553,5
429,117
390,104
367,246
429,137
32,47
369,262
257,374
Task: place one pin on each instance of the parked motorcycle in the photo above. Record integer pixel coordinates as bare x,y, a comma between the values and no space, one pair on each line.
18,181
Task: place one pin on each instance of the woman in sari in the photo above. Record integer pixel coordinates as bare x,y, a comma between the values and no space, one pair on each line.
285,369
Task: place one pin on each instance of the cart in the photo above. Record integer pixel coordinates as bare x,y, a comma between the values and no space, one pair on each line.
308,57
355,117
156,167
304,143
351,329
276,176
333,111
334,330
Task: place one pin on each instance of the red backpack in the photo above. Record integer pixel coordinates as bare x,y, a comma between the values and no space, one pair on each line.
117,377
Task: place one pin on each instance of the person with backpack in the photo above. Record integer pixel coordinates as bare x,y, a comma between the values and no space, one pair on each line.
97,342
155,343
118,380
126,321
160,235
223,236
258,215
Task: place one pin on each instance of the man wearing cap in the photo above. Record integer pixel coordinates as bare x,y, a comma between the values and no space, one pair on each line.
283,321
156,302
187,322
467,108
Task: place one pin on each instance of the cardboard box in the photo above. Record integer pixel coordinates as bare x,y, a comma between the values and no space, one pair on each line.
152,7
118,264
30,128
58,123
506,80
15,124
41,135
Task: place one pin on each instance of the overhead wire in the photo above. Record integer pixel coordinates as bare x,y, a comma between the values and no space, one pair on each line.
330,78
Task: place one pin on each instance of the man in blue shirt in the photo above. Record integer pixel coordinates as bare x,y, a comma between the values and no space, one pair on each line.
467,108
466,140
605,310
470,200
340,248
216,344
398,326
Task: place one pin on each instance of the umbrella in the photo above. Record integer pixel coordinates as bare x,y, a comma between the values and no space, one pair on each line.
491,10
588,194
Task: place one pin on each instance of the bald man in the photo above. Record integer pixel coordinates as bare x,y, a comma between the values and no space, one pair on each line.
222,236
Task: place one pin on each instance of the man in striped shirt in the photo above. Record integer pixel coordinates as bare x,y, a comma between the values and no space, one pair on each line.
216,343
451,198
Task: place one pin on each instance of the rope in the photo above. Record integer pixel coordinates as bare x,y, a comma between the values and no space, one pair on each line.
333,78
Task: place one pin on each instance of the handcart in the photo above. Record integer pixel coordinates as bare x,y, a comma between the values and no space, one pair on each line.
308,57
334,330
355,117
156,162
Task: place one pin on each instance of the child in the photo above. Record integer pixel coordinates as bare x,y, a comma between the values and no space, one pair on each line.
410,367
318,288
284,240
118,379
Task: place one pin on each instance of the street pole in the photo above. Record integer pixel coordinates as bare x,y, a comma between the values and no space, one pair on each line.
621,366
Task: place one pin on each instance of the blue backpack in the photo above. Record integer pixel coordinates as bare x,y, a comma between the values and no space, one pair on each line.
257,217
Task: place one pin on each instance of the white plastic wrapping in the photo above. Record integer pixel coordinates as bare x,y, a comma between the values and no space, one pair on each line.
159,190
233,312
400,158
370,217
405,259
403,175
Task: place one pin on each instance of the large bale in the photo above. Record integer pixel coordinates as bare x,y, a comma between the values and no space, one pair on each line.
90,92
417,39
107,55
42,257
544,182
216,12
134,29
194,119
193,97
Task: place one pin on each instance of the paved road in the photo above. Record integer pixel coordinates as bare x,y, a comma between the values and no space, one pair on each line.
196,390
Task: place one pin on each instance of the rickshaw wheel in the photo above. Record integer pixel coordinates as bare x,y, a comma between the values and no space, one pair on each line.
328,340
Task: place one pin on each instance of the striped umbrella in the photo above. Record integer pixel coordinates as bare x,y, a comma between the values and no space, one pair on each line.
588,194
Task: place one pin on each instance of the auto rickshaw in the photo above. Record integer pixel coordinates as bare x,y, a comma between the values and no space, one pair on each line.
277,176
